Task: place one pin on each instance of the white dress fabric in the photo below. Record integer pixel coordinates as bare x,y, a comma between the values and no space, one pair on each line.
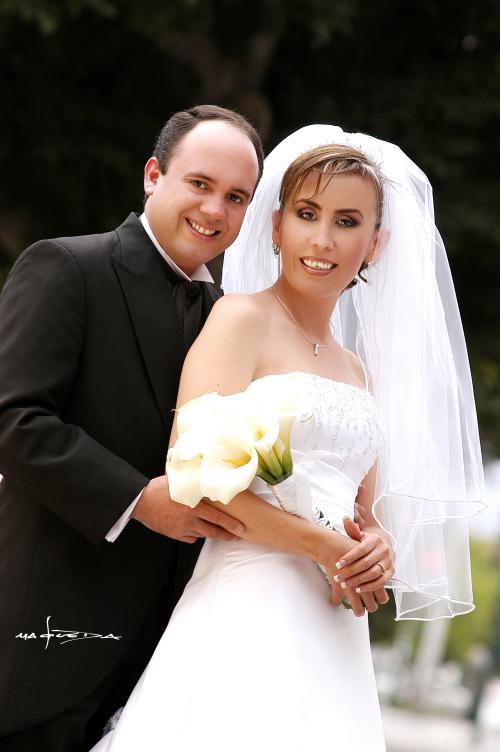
255,657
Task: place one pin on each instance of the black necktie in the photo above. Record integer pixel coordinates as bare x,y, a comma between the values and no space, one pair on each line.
188,299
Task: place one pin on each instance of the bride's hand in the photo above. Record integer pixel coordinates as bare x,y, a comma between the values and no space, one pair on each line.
358,602
368,566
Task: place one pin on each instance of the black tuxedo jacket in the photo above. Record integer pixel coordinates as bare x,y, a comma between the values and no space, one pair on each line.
90,359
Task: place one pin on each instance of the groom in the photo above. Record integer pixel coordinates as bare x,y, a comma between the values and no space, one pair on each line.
93,333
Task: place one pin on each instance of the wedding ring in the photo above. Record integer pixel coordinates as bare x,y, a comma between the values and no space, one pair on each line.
381,567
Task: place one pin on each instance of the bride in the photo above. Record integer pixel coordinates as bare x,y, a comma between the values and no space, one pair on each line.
338,253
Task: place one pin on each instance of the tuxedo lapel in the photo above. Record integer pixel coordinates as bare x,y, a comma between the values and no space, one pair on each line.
148,293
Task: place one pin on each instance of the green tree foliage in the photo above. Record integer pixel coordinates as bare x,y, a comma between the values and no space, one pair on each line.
482,625
382,623
86,84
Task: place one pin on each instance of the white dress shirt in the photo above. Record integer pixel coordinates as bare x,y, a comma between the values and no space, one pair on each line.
201,274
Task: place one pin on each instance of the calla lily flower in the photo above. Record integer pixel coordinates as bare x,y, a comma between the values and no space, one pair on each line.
184,481
286,403
225,441
190,444
198,410
228,467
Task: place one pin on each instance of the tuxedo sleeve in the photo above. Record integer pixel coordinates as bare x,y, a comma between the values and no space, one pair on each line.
42,328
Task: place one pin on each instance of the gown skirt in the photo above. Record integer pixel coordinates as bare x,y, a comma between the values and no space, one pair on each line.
255,657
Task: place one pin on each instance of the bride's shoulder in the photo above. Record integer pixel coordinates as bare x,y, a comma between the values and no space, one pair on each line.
236,310
358,369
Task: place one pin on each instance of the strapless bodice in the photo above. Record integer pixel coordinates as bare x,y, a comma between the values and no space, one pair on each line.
334,445
343,421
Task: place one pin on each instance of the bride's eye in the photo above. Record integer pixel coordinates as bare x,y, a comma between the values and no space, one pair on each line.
347,222
306,214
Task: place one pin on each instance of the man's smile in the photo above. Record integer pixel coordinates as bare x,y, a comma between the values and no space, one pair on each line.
200,229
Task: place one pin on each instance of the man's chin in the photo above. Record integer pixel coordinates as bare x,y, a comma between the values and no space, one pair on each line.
203,249
192,260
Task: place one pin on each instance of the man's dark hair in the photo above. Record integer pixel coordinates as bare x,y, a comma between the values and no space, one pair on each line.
184,121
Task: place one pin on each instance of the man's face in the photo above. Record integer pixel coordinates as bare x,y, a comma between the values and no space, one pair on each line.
196,209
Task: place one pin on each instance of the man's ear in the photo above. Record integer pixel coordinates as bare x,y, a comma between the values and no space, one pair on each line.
277,217
151,174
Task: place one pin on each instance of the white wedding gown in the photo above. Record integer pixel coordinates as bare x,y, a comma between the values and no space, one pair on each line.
255,657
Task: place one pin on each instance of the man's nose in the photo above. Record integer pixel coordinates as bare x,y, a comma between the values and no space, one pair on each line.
213,207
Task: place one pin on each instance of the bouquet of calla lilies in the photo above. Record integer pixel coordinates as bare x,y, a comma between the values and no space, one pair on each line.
224,442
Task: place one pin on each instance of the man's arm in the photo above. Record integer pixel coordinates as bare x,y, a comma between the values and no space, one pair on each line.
42,326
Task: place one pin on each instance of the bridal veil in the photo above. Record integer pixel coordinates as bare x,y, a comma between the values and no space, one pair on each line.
405,326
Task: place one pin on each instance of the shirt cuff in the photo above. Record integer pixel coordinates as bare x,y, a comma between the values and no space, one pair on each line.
121,523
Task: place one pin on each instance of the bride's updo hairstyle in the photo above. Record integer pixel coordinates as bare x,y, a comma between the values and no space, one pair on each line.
330,160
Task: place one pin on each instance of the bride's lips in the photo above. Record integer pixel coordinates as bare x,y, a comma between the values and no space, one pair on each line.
201,230
317,266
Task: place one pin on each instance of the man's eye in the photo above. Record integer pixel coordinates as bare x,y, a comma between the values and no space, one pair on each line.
307,214
347,222
235,198
198,183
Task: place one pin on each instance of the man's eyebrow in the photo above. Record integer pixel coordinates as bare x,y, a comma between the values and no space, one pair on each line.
310,202
200,175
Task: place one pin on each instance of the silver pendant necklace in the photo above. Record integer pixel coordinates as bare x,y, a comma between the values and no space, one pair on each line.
315,345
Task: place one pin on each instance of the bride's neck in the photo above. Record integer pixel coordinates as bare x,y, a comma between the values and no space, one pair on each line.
312,313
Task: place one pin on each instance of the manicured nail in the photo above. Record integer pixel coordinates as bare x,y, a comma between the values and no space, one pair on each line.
343,585
340,564
358,589
336,578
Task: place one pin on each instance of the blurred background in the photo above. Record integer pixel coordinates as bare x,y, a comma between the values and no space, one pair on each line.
85,88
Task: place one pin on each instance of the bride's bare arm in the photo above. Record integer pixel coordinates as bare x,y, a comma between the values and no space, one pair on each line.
221,360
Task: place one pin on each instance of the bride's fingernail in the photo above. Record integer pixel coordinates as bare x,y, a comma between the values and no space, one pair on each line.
358,589
343,585
340,564
336,578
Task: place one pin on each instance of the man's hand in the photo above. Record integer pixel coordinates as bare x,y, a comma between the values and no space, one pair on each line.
156,510
359,515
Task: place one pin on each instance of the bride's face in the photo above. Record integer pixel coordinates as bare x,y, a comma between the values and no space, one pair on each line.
326,234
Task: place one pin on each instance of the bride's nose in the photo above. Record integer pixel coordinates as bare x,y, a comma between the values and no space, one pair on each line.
322,238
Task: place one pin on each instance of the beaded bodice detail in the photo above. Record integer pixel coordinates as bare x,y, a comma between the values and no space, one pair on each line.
343,421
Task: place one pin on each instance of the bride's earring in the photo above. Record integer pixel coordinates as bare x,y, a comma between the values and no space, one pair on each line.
277,252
